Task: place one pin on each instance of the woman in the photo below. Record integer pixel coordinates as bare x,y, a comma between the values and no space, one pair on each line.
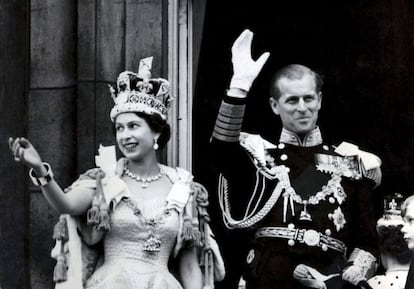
143,212
407,213
395,254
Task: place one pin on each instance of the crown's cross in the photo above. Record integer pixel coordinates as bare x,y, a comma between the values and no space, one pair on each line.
144,69
393,205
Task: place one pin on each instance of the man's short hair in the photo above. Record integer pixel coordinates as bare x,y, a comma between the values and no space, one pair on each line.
405,204
293,72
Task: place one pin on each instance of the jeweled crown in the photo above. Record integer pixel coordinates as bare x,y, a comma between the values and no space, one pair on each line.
138,92
392,211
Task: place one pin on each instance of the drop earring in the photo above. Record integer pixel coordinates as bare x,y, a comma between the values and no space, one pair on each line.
155,146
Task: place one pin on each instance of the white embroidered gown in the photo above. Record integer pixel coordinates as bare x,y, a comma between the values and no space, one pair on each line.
127,265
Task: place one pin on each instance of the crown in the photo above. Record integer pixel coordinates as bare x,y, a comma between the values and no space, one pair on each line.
392,211
138,92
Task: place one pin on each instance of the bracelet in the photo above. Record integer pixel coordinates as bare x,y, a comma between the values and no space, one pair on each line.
42,181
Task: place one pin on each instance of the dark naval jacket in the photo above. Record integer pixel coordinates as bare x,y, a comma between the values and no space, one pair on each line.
298,201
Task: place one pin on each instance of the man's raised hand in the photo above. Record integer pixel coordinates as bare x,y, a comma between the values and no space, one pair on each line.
245,69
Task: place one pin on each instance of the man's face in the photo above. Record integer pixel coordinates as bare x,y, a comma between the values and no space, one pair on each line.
408,228
298,105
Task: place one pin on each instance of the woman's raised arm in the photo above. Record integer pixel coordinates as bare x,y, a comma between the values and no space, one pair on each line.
75,203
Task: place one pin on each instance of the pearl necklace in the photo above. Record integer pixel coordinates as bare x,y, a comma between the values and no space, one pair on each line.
144,181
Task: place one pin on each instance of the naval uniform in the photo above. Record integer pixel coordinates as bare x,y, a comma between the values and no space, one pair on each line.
298,202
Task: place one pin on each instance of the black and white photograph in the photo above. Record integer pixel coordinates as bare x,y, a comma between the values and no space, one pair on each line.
200,144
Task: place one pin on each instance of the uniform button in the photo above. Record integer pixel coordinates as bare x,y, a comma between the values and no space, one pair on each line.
250,256
291,242
324,247
283,157
281,146
325,147
289,191
291,226
328,232
331,200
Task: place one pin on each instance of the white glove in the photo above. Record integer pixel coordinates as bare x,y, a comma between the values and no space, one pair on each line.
245,69
310,277
362,268
353,275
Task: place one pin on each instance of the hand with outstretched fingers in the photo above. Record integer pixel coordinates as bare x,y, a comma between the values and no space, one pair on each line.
245,69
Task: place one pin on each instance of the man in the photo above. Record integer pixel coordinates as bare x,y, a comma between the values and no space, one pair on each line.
302,206
407,212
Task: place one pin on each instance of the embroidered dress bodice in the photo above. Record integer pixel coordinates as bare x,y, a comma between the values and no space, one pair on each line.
127,264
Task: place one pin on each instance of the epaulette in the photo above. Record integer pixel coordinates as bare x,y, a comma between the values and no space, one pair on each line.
370,163
256,146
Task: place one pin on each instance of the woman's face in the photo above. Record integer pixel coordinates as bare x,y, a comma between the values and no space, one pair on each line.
408,228
134,137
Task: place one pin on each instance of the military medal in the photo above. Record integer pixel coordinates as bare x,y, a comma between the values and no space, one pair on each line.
330,164
250,256
304,215
338,218
332,190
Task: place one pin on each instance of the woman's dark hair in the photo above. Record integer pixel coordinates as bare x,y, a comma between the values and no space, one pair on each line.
391,242
159,125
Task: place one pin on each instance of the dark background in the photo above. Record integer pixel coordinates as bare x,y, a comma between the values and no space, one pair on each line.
364,50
